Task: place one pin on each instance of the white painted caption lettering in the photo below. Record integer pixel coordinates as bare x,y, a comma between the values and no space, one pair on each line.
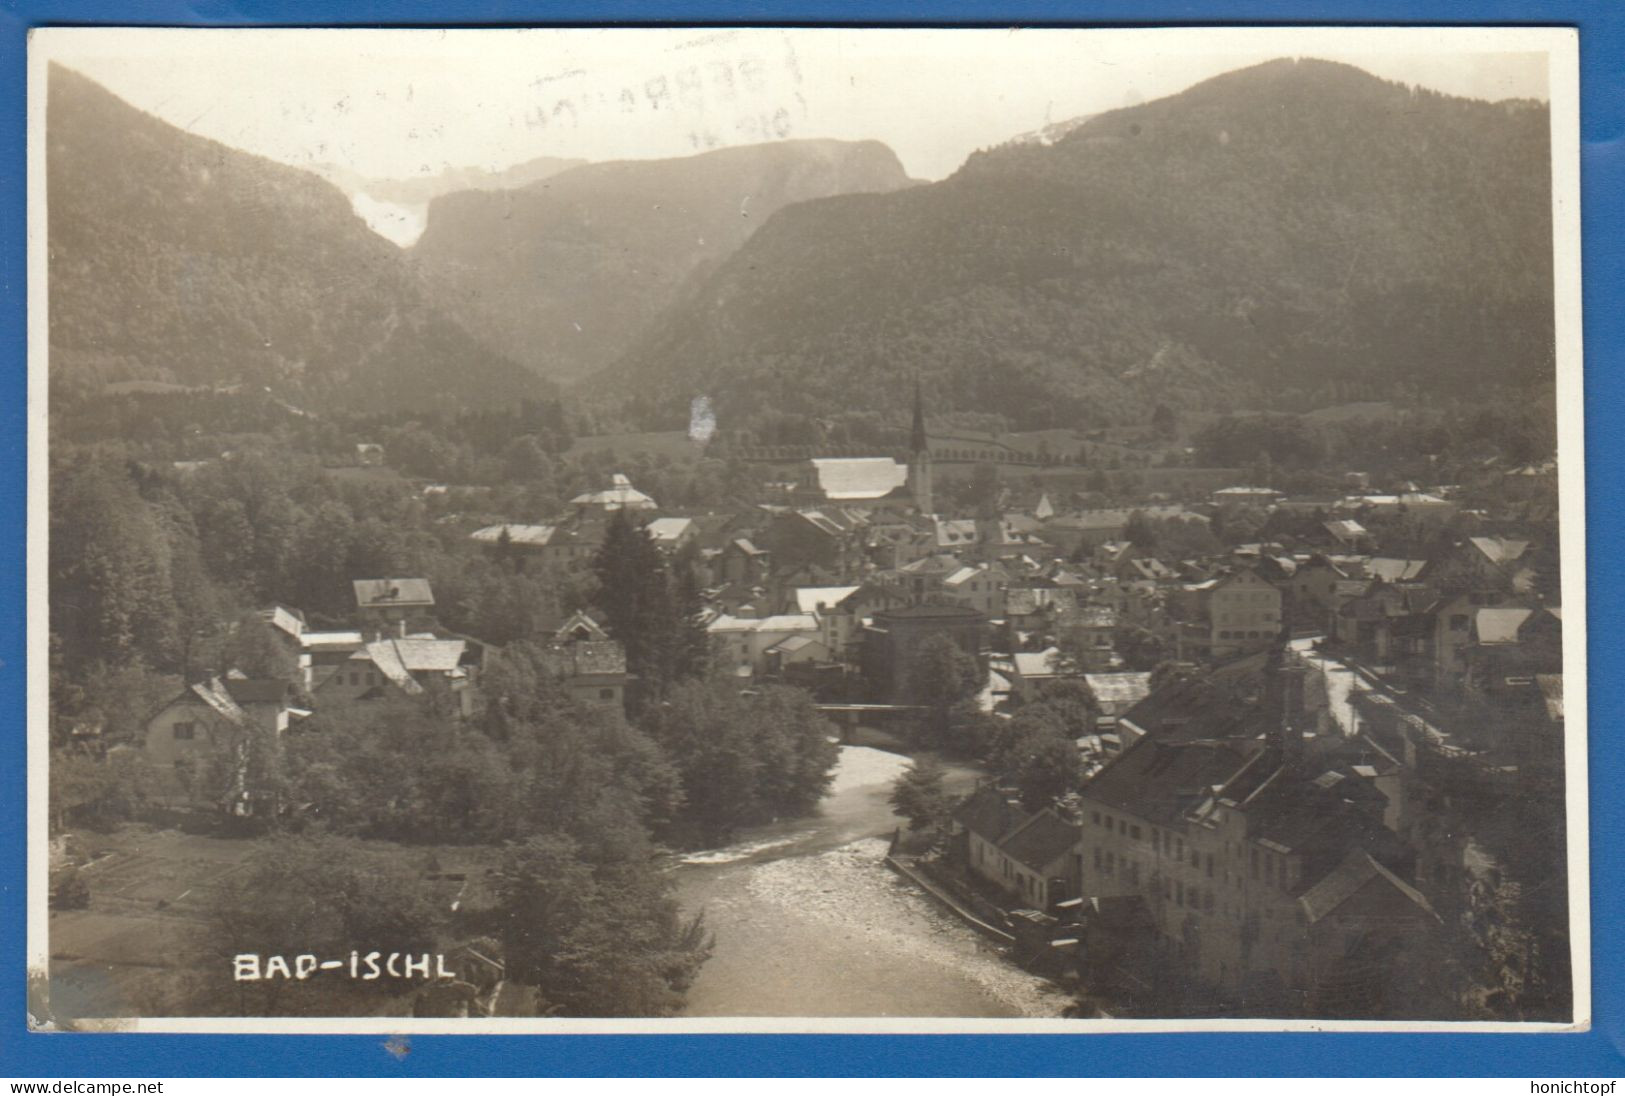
367,967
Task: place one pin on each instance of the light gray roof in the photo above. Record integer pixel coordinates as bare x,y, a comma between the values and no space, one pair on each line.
858,477
530,536
375,593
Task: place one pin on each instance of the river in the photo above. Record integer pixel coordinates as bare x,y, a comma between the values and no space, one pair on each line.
810,922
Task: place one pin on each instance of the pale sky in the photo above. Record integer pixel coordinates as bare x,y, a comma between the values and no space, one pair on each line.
391,104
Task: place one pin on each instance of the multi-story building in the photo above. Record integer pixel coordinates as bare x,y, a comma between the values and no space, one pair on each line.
1267,868
1234,614
894,637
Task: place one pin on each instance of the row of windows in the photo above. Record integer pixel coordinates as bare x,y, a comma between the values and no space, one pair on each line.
1107,864
1174,890
1245,635
1124,827
1265,866
1191,898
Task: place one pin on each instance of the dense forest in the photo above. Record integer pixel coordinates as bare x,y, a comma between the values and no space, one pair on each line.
1294,234
157,574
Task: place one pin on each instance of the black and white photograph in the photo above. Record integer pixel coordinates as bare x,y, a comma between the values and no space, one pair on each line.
806,530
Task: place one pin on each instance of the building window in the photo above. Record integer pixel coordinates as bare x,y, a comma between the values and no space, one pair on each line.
1179,848
1094,816
1254,862
1111,862
1196,859
1207,902
355,677
185,731
1134,832
1122,827
1179,895
606,694
1134,872
1210,865
1097,859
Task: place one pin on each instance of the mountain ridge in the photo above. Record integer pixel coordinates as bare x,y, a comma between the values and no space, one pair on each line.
562,274
176,258
1294,224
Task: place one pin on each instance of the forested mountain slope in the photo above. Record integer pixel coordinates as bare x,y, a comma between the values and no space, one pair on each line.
1292,234
178,259
564,274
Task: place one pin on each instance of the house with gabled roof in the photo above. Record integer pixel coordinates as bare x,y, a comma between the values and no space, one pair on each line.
742,644
742,564
619,495
1511,644
839,612
981,821
1040,862
407,664
194,740
386,605
1504,563
672,534
520,543
1240,611
592,670
981,587
831,537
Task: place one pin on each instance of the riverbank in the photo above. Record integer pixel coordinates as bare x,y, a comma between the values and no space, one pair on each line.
809,921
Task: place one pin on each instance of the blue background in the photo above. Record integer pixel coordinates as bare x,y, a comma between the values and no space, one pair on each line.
25,1054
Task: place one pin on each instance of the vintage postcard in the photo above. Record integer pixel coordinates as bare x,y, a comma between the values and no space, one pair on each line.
913,530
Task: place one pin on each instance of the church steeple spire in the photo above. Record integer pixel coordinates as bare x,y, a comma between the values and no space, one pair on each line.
919,456
918,442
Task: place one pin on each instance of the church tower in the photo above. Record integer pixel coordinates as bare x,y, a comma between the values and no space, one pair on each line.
919,457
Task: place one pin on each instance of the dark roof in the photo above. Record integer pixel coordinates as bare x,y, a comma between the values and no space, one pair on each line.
1159,780
989,814
1321,817
1044,839
1357,871
1196,708
258,691
586,657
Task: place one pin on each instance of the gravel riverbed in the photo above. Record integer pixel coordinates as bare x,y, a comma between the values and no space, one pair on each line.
809,921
